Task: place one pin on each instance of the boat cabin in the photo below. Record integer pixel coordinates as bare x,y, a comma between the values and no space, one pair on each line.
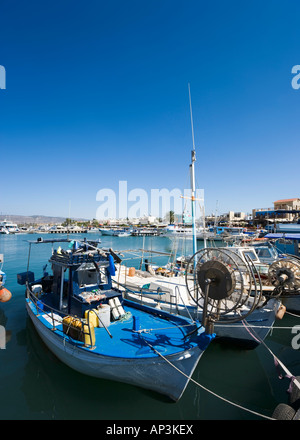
80,279
288,243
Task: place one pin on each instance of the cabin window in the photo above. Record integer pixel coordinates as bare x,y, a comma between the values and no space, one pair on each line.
263,253
251,255
88,275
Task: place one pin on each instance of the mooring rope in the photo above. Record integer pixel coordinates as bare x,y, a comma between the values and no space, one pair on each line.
277,361
256,326
244,322
252,332
293,314
206,389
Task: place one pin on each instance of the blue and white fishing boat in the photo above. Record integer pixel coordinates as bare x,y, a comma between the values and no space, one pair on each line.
89,326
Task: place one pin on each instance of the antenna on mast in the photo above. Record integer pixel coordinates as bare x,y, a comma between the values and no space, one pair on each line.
193,178
193,185
191,112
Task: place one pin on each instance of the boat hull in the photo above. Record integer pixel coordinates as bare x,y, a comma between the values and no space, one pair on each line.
154,373
254,329
107,231
292,304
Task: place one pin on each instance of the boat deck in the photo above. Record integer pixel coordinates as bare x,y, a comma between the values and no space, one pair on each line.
166,336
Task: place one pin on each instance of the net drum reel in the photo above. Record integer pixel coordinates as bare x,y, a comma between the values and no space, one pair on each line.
284,275
226,286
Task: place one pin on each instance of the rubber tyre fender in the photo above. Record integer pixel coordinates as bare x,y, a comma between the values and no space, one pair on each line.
294,395
283,412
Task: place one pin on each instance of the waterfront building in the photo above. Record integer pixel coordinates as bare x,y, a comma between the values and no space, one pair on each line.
283,210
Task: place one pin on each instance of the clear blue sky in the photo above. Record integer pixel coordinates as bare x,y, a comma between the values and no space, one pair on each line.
97,92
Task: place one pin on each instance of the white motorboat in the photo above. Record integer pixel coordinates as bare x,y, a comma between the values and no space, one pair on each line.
122,234
105,231
7,227
174,231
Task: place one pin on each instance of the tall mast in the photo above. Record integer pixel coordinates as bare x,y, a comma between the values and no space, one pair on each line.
192,171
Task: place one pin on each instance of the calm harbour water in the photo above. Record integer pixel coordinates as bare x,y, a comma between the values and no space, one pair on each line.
35,385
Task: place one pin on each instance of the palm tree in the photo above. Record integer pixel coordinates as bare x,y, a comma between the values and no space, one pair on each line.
171,217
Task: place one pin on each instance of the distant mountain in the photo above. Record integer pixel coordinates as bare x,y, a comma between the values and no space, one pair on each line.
36,219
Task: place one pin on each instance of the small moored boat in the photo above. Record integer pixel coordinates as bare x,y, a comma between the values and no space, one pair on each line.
90,327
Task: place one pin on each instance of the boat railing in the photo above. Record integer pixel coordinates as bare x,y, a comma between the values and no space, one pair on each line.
146,291
159,292
55,317
178,295
173,300
142,291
